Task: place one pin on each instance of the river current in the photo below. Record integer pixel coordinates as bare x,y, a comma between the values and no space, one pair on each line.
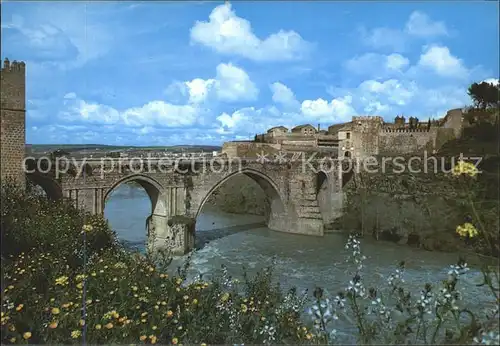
305,262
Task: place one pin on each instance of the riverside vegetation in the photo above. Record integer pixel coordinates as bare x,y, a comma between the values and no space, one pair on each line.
66,279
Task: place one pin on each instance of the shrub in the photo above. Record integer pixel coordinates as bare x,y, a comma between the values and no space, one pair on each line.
32,223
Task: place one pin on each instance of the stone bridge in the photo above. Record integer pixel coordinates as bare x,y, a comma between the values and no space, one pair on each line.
303,195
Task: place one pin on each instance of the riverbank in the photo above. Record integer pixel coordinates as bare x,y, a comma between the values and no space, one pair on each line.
131,298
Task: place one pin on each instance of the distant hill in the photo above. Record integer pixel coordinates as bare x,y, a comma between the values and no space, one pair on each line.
103,147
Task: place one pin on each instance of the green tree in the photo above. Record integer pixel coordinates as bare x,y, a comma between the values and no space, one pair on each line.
484,95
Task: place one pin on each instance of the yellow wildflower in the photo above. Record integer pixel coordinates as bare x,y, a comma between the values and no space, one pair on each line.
178,282
467,229
225,297
120,265
63,280
12,340
144,314
53,325
169,313
465,168
109,325
175,341
19,307
195,301
203,344
80,277
154,327
87,228
27,335
185,297
79,286
75,334
153,339
98,326
55,311
244,308
143,337
82,323
12,328
308,336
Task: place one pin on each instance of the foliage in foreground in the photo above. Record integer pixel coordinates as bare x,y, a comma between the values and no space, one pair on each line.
79,285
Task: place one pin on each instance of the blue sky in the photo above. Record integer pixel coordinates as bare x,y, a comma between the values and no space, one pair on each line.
156,73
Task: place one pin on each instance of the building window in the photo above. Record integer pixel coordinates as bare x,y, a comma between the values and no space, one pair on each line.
348,135
347,154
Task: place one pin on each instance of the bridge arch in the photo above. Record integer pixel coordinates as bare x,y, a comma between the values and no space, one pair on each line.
271,190
321,181
152,187
52,188
155,223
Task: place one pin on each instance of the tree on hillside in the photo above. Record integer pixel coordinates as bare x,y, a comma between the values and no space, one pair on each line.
484,95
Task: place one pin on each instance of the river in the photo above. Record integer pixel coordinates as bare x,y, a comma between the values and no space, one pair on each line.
301,261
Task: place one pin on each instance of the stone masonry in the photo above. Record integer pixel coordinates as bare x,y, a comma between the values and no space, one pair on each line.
181,191
12,120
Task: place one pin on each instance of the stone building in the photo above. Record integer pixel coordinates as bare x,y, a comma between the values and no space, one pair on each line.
305,130
371,136
277,131
362,136
12,120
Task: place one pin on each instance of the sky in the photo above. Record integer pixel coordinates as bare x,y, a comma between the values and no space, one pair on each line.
166,73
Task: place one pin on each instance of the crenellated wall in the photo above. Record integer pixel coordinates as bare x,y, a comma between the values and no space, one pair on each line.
12,120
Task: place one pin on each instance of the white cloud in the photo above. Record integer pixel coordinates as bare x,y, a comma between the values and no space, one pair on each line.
396,62
198,89
377,65
338,109
227,33
392,91
381,38
419,24
494,81
250,120
391,97
231,84
284,96
65,35
441,61
154,113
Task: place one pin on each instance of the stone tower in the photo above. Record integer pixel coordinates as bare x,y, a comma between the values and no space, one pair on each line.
12,120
